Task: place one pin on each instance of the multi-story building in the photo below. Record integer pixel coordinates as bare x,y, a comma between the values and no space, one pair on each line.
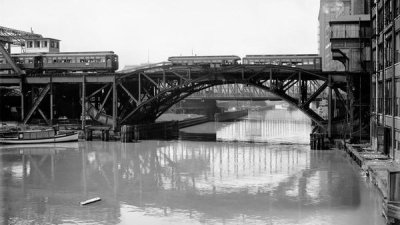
329,10
385,87
345,45
345,22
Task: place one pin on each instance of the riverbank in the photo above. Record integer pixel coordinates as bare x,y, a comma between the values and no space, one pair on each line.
381,171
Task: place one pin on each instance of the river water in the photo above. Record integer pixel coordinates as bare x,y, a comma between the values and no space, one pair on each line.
261,171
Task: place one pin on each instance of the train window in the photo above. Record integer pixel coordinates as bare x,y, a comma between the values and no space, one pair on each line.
305,62
1,61
103,59
317,61
30,60
310,61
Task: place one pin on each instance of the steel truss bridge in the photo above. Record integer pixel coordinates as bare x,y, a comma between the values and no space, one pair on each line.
143,95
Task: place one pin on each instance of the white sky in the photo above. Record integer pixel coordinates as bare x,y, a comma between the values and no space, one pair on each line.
136,29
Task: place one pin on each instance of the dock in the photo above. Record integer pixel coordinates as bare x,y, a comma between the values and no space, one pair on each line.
381,171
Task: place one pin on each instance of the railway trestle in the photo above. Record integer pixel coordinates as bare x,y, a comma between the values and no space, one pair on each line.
141,96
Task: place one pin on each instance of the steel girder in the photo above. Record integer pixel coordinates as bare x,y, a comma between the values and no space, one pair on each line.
160,88
145,94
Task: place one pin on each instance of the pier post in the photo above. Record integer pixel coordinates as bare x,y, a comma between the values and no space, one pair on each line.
51,100
329,107
21,88
114,106
83,102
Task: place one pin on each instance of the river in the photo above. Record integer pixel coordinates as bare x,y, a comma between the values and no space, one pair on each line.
260,171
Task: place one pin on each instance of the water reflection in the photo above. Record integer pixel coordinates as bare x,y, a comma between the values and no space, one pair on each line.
273,126
183,182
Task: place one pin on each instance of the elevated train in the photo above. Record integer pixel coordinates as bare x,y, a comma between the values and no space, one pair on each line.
105,61
303,61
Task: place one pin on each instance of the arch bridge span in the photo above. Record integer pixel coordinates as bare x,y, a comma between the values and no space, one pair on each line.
150,92
141,96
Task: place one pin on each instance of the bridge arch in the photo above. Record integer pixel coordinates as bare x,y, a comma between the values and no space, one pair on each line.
149,92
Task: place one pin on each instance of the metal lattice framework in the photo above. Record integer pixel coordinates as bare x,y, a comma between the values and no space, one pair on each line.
15,37
150,92
10,36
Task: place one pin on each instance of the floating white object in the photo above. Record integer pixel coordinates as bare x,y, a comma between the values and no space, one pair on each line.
91,201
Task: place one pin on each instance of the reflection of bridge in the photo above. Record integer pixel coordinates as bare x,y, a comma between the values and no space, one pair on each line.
143,95
176,176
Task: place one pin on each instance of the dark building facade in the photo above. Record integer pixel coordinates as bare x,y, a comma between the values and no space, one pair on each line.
385,88
345,45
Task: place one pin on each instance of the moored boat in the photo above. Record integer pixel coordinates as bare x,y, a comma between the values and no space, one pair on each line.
38,137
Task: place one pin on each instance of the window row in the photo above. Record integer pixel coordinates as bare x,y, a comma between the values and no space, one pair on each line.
42,44
385,103
282,61
74,60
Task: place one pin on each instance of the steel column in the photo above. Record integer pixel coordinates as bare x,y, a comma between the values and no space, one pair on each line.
83,102
114,101
51,100
21,88
329,106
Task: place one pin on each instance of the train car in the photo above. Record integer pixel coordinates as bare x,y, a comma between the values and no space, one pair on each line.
64,61
212,61
29,62
304,61
81,61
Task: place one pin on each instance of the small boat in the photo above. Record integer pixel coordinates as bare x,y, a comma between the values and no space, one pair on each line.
38,137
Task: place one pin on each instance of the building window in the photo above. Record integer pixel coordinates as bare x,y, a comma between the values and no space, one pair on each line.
388,52
397,8
51,44
397,98
397,51
380,20
380,97
373,94
388,12
45,44
388,97
380,57
30,44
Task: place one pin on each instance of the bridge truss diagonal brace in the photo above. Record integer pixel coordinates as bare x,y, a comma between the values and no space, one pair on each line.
9,60
315,94
43,116
37,102
151,80
178,75
104,102
97,91
129,93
